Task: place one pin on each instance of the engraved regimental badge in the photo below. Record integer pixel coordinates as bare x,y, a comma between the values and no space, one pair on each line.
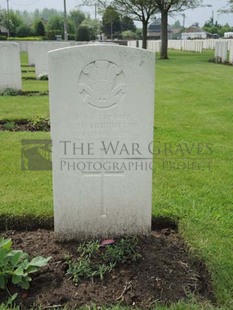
102,84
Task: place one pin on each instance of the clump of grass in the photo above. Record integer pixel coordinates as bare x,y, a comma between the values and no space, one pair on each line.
96,261
10,125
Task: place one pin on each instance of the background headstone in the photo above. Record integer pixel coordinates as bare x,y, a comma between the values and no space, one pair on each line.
10,70
41,50
102,112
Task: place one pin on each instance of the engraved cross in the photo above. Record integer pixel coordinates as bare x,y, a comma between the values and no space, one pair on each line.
104,179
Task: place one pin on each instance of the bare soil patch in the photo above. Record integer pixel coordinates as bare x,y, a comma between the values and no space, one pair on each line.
166,273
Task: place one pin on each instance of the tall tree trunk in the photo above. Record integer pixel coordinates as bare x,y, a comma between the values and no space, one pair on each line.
144,34
164,20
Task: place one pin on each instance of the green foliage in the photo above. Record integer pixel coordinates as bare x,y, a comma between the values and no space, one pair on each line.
24,31
47,13
39,28
13,22
40,123
94,27
51,34
9,304
56,23
3,37
87,249
139,33
76,17
10,125
129,35
96,261
122,251
127,24
9,92
26,38
83,33
177,25
111,22
227,9
16,266
217,28
71,37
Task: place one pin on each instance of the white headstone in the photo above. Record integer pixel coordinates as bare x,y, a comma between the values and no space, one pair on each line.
42,49
221,50
224,49
10,70
32,52
102,111
231,55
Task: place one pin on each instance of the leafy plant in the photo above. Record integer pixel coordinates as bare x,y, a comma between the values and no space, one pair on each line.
16,266
96,261
40,123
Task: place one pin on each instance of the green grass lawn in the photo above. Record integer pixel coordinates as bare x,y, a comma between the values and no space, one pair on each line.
193,109
194,106
29,85
23,107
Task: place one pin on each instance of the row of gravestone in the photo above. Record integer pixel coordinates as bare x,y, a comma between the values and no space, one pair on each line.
38,54
102,114
185,45
10,70
24,45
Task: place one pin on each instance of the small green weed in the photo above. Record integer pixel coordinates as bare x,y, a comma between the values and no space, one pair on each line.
97,261
10,125
16,266
88,248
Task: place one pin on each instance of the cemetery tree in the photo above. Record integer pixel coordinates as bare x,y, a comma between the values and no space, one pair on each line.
216,28
176,25
49,13
111,22
228,8
83,33
127,24
11,21
168,6
56,25
24,31
39,28
76,17
129,35
140,10
94,27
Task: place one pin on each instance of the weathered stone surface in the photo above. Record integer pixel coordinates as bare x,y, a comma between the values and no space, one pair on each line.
102,112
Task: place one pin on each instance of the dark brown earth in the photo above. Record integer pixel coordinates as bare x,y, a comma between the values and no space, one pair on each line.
167,272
